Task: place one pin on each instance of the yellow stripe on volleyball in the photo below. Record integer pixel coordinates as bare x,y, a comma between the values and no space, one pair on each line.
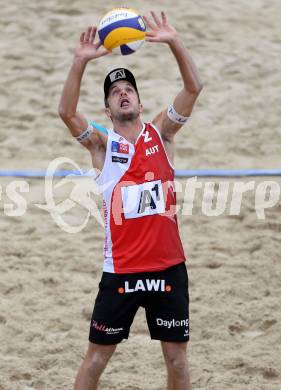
121,36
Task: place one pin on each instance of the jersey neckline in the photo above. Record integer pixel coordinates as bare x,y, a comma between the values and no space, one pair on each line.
140,133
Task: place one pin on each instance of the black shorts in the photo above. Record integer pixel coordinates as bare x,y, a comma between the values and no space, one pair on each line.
163,295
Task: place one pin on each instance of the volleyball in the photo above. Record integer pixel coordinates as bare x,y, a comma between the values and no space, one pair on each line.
122,30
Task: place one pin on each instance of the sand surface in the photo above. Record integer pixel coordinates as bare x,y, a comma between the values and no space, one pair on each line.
49,278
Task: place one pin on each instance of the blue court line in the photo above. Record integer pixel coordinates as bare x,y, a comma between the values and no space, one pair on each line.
178,173
226,172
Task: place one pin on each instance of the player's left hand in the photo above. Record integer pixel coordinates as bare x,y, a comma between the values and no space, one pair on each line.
161,30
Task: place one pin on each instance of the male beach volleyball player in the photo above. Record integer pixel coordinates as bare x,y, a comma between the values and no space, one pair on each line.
144,261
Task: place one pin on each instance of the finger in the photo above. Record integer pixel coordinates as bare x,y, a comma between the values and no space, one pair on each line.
87,34
92,34
156,19
82,36
104,52
149,23
98,44
152,39
151,34
164,18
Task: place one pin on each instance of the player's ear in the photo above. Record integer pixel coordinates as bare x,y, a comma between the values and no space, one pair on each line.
141,108
107,112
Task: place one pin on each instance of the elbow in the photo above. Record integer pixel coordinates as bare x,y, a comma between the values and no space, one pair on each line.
61,112
64,114
199,88
196,89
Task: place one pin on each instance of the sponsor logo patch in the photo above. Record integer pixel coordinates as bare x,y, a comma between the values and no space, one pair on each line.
145,285
105,328
140,200
123,148
121,160
173,324
118,74
118,147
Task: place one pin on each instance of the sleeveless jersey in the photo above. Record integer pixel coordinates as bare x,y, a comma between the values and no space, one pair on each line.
139,204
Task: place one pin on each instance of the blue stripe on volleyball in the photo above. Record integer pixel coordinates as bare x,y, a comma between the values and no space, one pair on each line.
126,50
98,127
132,22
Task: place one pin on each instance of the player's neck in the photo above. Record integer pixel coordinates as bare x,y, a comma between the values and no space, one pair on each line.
130,130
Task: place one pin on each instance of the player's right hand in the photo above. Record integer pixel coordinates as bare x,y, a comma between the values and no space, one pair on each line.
87,48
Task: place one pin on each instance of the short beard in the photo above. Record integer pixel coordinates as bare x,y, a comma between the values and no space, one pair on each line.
125,117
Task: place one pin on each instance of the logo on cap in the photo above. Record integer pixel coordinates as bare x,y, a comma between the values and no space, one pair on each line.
118,74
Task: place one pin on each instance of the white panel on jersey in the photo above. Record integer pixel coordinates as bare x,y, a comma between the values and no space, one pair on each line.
143,199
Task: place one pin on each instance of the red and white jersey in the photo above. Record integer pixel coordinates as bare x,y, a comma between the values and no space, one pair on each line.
139,202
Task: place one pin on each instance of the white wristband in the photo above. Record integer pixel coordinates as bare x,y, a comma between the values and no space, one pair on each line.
86,134
175,117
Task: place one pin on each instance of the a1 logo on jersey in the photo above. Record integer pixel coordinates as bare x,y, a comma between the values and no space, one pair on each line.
118,147
141,200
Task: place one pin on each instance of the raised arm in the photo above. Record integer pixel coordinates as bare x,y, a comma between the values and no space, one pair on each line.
162,31
85,51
